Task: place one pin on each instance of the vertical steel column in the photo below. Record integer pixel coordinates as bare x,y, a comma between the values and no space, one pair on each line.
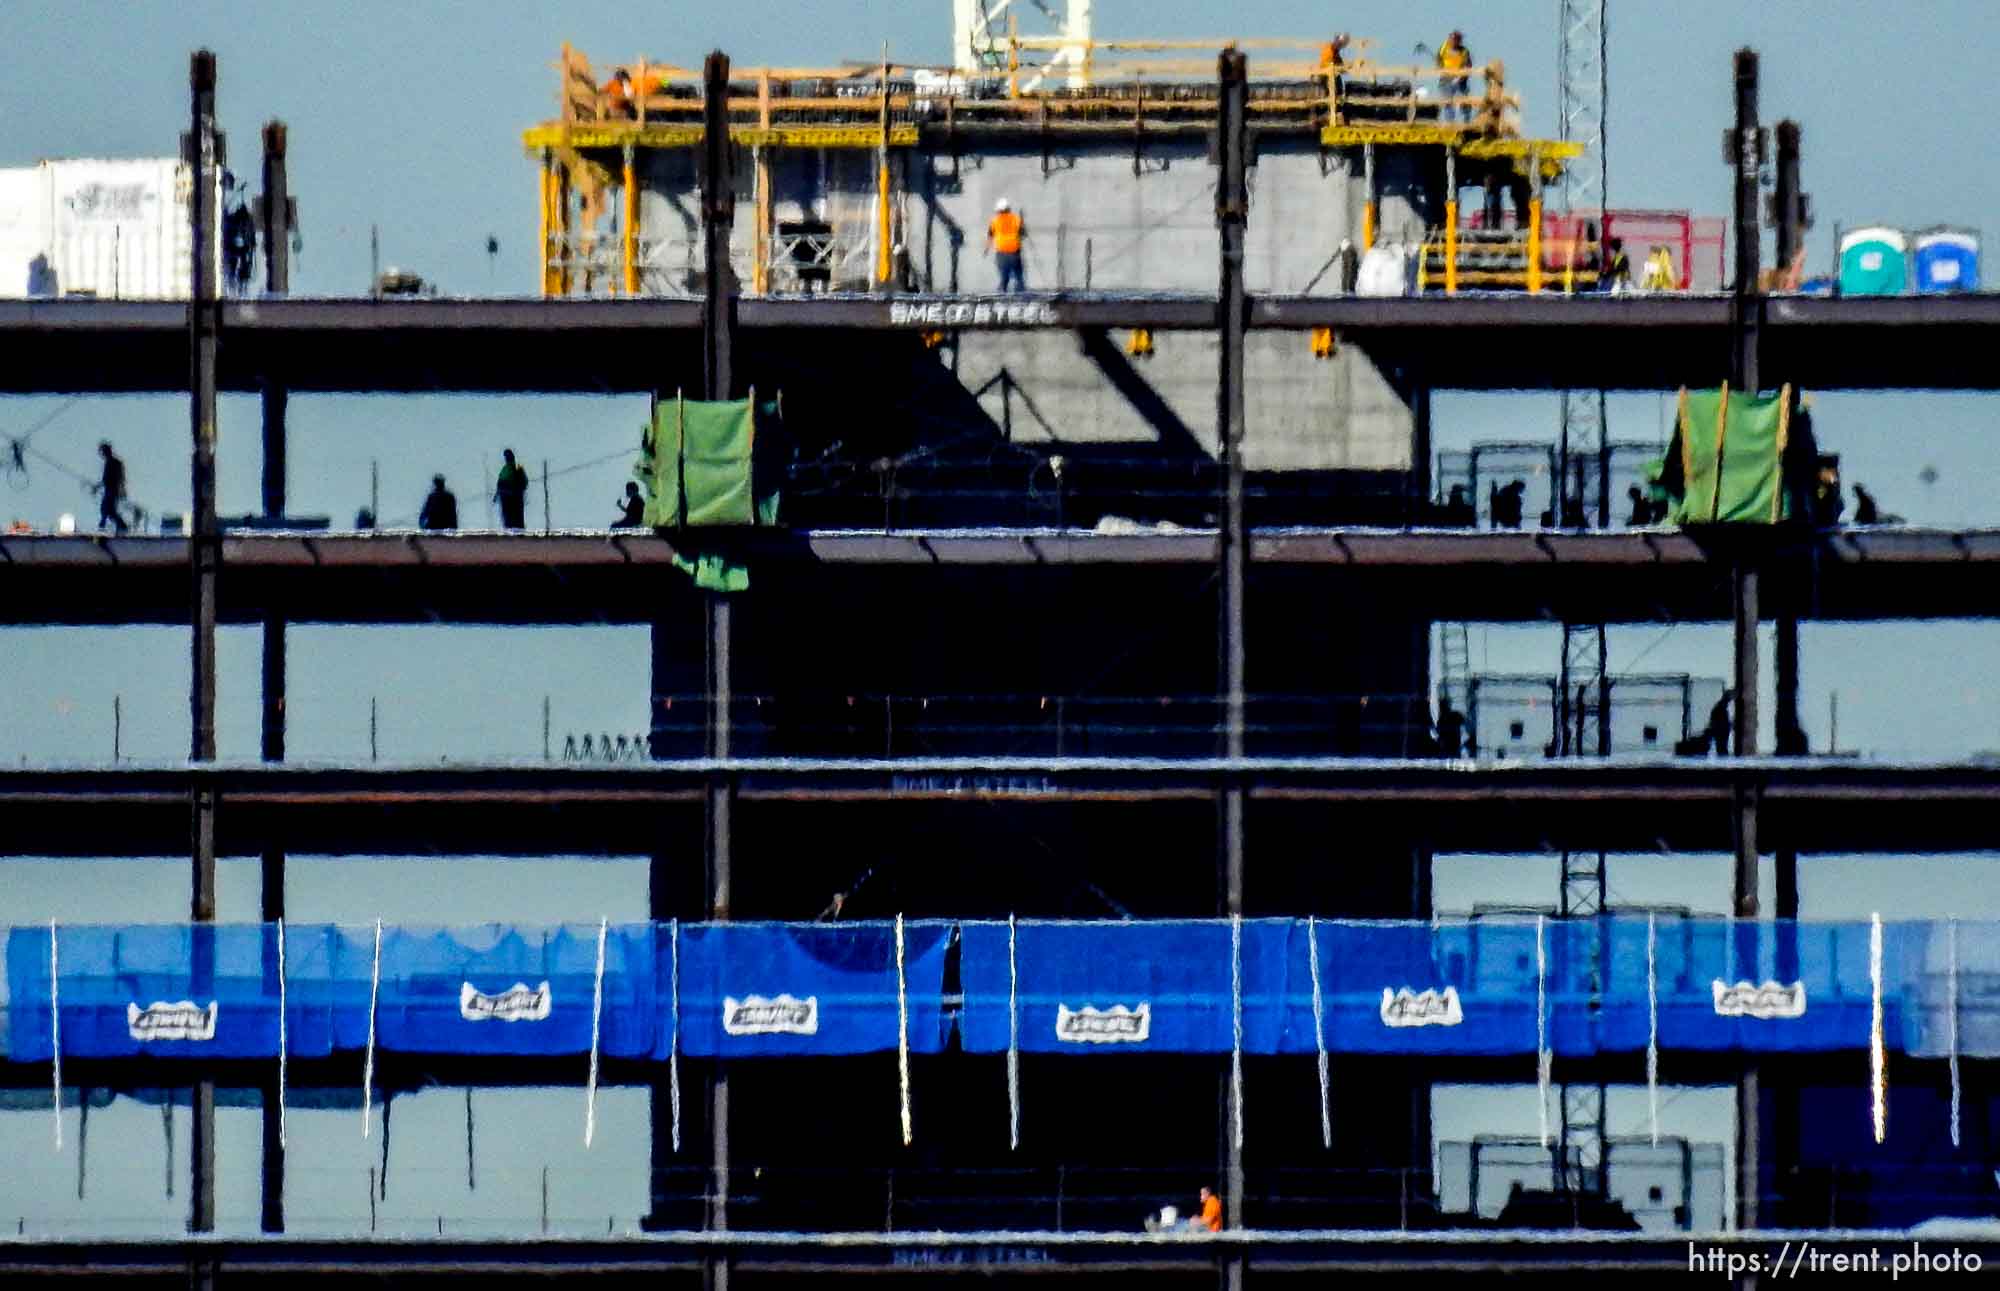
203,152
1746,155
1232,198
1790,735
718,207
276,210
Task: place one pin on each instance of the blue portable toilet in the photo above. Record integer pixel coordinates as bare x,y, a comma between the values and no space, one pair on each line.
1874,262
1947,260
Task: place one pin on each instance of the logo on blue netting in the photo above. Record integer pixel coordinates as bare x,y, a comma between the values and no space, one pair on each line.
779,1015
518,1003
1429,1008
1118,1024
179,1020
1749,1000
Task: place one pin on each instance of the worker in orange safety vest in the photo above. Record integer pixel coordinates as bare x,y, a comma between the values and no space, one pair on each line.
1003,239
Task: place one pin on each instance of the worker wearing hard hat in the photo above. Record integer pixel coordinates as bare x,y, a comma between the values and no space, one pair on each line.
1453,56
1003,239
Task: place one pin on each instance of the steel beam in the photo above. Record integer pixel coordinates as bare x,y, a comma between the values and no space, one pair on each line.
1232,200
718,206
1746,312
205,549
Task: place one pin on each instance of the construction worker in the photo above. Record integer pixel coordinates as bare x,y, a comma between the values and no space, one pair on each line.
623,91
1211,1212
440,507
1617,274
1003,238
631,511
1453,56
511,492
110,489
1658,274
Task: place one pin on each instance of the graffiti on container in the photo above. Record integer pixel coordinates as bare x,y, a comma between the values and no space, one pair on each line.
108,201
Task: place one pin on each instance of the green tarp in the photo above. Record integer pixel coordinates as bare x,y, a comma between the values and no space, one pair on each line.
1732,463
698,464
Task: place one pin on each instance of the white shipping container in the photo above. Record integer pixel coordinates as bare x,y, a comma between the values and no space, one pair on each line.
112,229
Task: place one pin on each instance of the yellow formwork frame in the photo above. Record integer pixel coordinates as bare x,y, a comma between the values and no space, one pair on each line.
631,241
1450,222
1368,197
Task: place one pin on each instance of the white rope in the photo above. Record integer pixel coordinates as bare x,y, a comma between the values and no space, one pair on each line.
1877,1060
55,1028
902,1032
1319,1035
1542,1054
1013,1043
1951,1022
596,1030
368,1064
1236,1018
674,1041
1652,1030
282,1033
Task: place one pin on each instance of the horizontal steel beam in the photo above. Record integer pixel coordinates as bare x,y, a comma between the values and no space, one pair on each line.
588,576
1638,805
1506,341
979,1255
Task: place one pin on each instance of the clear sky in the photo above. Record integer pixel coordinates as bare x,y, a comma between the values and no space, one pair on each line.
405,115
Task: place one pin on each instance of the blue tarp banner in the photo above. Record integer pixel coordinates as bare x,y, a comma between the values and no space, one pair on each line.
1154,987
159,990
1482,987
500,990
764,990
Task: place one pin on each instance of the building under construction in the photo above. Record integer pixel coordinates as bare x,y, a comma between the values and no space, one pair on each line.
1040,817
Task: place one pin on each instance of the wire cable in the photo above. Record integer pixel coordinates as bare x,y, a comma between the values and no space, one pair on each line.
368,1064
903,1032
283,1034
1877,1058
1319,1035
55,1028
596,1032
1013,1042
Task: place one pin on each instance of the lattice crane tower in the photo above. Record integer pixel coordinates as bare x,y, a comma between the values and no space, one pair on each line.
1582,88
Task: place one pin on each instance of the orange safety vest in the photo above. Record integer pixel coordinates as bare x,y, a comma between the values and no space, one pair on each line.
1211,1214
1005,232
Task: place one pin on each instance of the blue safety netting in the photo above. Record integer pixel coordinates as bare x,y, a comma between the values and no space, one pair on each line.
1159,986
502,990
1479,987
145,989
758,990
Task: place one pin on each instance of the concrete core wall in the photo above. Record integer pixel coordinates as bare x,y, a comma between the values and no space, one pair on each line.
1100,216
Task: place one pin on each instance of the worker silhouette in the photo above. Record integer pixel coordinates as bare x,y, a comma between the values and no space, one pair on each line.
110,489
1865,511
1642,508
440,509
1458,512
1617,275
1719,726
1004,235
1503,504
511,492
631,511
1450,729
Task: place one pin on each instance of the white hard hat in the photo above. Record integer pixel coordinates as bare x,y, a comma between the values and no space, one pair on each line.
1001,205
